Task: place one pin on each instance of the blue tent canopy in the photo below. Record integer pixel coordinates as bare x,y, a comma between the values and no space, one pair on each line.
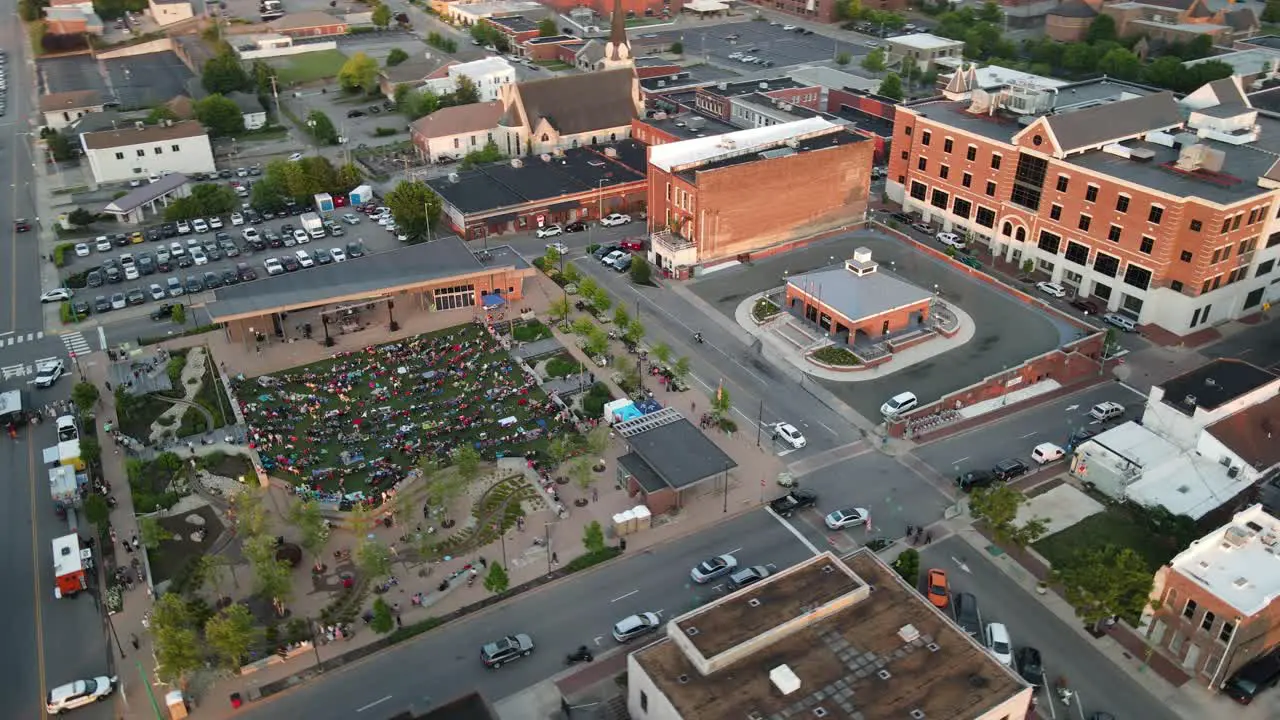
493,300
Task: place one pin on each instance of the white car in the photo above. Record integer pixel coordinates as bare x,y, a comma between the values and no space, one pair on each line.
386,219
351,218
273,266
1045,453
215,223
131,272
615,219
789,434
950,240
295,157
198,256
300,236
157,292
56,295
997,637
249,234
184,227
82,249
848,517
237,219
634,626
339,255
560,248
175,287
153,178
135,182
102,243
789,28
242,172
1051,289
898,404
709,570
119,301
199,225
550,231
79,693
614,257
176,249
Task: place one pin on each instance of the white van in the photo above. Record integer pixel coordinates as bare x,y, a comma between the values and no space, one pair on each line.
304,258
898,404
1046,453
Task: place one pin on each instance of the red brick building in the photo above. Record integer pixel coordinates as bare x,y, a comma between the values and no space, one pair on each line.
1219,600
516,28
716,100
824,11
311,24
732,195
856,303
1162,209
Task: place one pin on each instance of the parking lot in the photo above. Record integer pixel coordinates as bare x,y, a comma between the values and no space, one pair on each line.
1007,333
760,39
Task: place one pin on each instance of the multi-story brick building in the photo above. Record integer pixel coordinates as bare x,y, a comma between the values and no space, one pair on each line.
824,11
1163,209
717,100
1219,600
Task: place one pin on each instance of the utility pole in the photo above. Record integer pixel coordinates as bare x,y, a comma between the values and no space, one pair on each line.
760,422
275,93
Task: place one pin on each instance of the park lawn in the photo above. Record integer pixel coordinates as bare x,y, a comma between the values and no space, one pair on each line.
308,67
1113,526
329,451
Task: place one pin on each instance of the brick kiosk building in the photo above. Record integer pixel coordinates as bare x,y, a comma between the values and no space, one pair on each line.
1164,209
857,304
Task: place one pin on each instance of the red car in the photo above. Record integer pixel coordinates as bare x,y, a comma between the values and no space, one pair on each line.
21,225
339,201
633,244
938,590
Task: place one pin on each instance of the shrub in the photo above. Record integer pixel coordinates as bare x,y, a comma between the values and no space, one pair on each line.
832,355
384,131
764,308
60,253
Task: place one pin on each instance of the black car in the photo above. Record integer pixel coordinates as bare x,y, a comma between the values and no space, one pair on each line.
101,304
169,230
575,226
120,240
355,113
252,217
245,272
797,499
1088,306
164,312
81,308
1030,667
136,296
146,265
290,263
114,275
152,234
322,256
604,250
965,606
1252,679
375,109
355,250
193,285
1006,470
185,261
213,252
212,281
974,479
225,174
94,278
229,277
275,241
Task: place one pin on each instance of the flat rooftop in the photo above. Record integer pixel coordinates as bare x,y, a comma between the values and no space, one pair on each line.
1250,432
924,41
821,142
837,653
678,454
859,297
515,23
708,149
1213,385
746,87
687,126
1239,563
1266,41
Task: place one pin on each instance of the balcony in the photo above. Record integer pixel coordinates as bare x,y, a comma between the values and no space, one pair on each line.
671,251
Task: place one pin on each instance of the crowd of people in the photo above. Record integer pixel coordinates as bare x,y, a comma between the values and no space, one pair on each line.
359,424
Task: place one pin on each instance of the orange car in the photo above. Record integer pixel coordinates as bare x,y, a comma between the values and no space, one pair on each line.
938,590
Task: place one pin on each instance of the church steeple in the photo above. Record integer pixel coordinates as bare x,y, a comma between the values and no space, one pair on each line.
617,52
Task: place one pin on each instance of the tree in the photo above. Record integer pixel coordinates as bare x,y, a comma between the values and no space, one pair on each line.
633,332
231,634
465,92
583,327
891,87
96,511
85,396
396,56
1102,29
1080,58
81,217
641,271
1271,12
224,74
359,72
174,638
998,507
90,450
874,61
720,402
152,533
600,300
248,516
588,287
310,522
205,199
467,462
59,145
662,353
383,622
843,58
220,116
212,570
487,154
677,48
593,537
559,309
1120,63
907,565
1103,582
348,177
415,207
547,28
417,104
596,343
382,17
444,489
581,474
496,581
271,577
621,317
572,274
161,113
681,369
179,315
374,558
322,128
263,75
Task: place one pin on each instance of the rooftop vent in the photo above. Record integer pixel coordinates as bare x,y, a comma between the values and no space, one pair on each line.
1241,583
1189,400
933,647
764,85
884,674
1210,382
919,714
611,152
784,679
728,143
683,679
691,631
545,157
138,124
723,86
820,712
755,715
454,177
909,633
1235,535
977,681
754,602
828,569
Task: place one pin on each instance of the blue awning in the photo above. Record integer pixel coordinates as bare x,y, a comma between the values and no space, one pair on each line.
493,300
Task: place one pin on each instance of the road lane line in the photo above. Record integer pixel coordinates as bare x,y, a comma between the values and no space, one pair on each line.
6,334
737,549
39,569
1024,437
957,462
102,338
803,540
624,597
375,703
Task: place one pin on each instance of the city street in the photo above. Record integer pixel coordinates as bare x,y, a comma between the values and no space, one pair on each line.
1099,685
582,609
1259,344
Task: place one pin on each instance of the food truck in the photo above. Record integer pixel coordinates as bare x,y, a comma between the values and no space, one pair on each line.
64,489
70,563
66,452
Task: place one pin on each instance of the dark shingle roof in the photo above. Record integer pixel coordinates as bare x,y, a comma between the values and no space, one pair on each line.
1074,9
1124,118
580,103
1213,385
680,454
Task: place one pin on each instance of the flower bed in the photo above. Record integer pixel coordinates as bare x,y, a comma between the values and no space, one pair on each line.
838,356
764,309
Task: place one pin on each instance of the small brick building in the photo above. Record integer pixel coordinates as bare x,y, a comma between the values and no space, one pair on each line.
857,303
669,461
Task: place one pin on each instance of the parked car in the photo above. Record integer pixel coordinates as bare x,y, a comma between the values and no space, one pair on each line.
575,226
56,295
974,479
545,231
748,576
937,588
1029,665
504,650
950,240
355,250
245,272
273,266
1108,410
797,499
1006,470
848,517
614,219
1088,306
713,568
968,617
77,694
119,301
193,285
787,433
1051,289
156,291
1046,453
199,225
338,254
898,404
136,296
174,286
1249,681
1120,322
997,641
211,280
633,626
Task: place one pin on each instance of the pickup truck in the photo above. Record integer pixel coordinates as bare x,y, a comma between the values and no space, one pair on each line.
797,499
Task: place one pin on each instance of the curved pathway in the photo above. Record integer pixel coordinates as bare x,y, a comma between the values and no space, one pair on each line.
208,416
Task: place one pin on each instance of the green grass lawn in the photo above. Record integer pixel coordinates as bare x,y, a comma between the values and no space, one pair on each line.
308,67
394,404
1115,525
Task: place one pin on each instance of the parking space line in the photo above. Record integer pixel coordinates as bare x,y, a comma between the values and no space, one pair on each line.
792,529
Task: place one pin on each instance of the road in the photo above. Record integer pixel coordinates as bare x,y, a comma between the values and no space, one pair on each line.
1259,344
559,618
1098,684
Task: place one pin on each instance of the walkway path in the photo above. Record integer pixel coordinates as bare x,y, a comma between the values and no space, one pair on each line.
192,380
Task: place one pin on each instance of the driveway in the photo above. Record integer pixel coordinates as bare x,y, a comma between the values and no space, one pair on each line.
1008,331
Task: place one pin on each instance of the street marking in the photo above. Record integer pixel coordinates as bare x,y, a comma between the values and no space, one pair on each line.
784,453
833,432
733,551
957,462
13,371
6,334
102,338
1024,437
75,343
786,524
16,339
1071,408
598,639
960,564
375,703
624,597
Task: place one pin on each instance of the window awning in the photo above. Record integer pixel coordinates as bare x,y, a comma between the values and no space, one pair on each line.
493,300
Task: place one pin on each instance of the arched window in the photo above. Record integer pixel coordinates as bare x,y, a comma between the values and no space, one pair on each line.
545,138
613,137
1022,234
1008,229
575,142
593,139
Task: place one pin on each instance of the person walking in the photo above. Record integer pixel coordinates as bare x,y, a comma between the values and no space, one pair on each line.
133,640
555,559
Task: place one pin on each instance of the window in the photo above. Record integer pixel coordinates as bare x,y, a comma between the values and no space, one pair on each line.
1091,193
157,150
1148,244
907,131
947,145
1264,268
961,208
1226,252
1206,623
1063,182
1189,610
972,153
1208,284
1186,256
1196,225
1235,222
904,154
1273,240
1176,286
995,162
1122,204
925,137
1253,298
644,699
1113,234
1106,264
1138,277
986,217
991,191
1228,629
141,153
1085,222
922,164
1226,225
455,143
1049,242
1028,181
939,199
966,179
1253,216
1077,253
1155,215
944,172
917,190
1055,212
119,156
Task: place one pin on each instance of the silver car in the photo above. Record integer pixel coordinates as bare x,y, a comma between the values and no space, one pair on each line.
716,567
633,626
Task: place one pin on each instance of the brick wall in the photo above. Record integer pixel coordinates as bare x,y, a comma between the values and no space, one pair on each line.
643,132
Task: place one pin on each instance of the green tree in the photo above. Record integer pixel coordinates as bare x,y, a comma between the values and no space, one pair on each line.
488,154
262,75
849,10
179,314
96,511
90,450
415,207
587,288
31,10
81,217
374,558
990,13
152,533
596,343
547,28
348,177
1102,29
174,639
641,271
224,74
382,17
681,368
559,309
307,517
621,317
677,48
419,104
1120,63
1080,58
444,489
662,353
1271,12
396,56
843,58
465,92
231,634
581,474
60,145
633,332
593,537
272,578
220,116
496,581
1165,71
383,622
998,506
359,72
572,274
907,565
874,61
85,396
161,113
891,87
583,327
550,258
720,402
467,462
1102,582
322,129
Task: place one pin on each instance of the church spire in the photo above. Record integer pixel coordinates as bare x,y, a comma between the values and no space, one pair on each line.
618,32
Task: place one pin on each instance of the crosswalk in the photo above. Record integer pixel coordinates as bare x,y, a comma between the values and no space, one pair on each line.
16,338
23,369
75,343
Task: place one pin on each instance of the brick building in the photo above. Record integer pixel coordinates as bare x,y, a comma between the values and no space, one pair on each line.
1163,209
516,28
310,24
717,100
824,11
1219,600
631,8
731,195
857,304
